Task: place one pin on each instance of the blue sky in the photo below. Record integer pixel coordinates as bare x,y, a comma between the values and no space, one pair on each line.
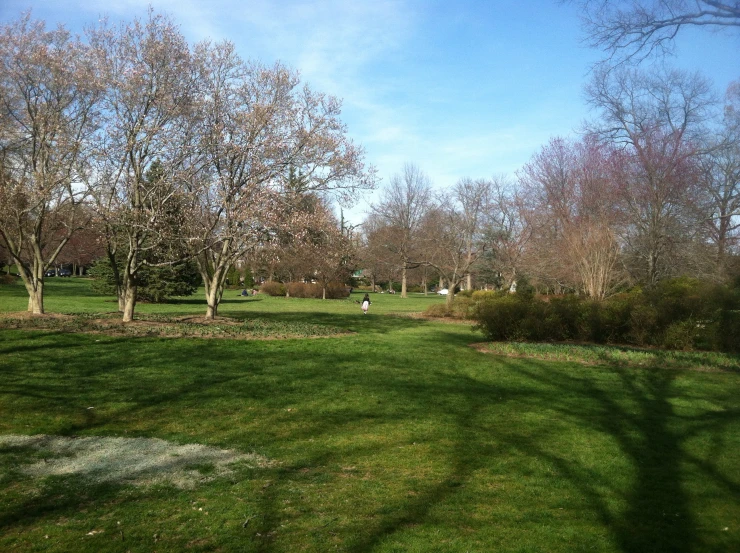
459,88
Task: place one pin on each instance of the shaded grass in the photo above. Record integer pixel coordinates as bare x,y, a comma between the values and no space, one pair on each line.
156,325
399,437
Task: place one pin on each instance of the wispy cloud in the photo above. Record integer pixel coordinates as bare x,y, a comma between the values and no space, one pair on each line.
459,88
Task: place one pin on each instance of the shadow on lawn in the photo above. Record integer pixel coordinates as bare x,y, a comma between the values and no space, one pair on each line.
657,518
483,409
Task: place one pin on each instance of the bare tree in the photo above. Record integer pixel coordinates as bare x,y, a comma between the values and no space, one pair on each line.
573,193
48,96
377,261
402,208
150,85
327,253
636,29
456,237
719,200
656,121
258,127
472,199
507,235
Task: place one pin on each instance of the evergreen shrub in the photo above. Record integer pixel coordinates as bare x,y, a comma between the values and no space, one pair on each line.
154,284
682,314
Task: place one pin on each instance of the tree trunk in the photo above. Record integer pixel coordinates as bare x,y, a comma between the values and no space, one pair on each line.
36,298
451,293
214,294
323,292
724,224
213,274
212,301
403,282
129,302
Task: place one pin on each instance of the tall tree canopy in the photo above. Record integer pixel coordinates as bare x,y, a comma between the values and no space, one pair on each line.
49,93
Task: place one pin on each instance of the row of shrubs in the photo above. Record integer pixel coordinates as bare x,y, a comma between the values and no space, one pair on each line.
304,290
681,314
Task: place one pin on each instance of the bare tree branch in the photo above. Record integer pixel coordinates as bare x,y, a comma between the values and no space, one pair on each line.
634,30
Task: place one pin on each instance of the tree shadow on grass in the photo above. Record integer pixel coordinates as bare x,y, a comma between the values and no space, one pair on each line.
486,409
652,439
53,499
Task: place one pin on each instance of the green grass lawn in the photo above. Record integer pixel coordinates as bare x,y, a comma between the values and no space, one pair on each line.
395,436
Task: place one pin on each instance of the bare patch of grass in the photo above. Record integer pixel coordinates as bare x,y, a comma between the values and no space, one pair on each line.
137,461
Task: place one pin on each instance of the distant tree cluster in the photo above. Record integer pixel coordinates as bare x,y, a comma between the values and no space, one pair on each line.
134,145
651,191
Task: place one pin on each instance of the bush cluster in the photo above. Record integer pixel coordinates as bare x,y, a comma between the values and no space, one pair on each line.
682,314
334,290
272,288
463,307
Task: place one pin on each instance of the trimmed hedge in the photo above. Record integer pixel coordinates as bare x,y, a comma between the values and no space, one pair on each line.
272,288
681,314
304,290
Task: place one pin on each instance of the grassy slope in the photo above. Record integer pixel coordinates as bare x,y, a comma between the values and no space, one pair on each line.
396,438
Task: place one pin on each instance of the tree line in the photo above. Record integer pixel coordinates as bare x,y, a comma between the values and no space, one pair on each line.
166,151
132,144
650,190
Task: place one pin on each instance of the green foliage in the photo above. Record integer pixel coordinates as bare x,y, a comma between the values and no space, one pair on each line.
502,316
248,279
232,278
682,314
104,282
155,284
386,285
728,330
